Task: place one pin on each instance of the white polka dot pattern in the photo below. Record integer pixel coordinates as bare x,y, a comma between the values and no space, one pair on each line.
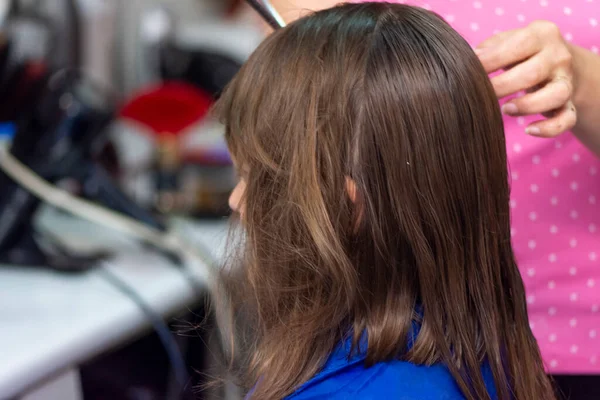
573,323
555,191
572,271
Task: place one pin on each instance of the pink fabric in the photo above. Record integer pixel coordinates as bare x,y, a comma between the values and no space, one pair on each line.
555,191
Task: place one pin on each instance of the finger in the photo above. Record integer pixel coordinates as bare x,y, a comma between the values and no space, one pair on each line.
494,40
509,49
561,121
523,76
552,96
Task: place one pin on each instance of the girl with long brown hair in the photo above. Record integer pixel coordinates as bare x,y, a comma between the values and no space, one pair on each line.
374,196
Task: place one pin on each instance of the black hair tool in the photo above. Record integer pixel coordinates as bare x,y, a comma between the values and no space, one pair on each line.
266,10
59,139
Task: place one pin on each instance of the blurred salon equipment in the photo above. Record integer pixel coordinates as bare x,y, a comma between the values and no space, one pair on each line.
86,183
175,42
57,120
65,126
61,121
60,139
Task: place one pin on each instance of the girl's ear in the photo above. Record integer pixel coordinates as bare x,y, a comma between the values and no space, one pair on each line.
351,189
352,192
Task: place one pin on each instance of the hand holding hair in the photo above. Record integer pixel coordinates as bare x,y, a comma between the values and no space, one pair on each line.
560,80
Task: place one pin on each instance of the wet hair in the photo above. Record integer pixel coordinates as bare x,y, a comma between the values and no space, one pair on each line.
391,98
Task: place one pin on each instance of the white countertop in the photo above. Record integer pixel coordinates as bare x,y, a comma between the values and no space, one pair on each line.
51,321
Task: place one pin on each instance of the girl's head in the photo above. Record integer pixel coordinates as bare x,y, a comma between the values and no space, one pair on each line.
375,194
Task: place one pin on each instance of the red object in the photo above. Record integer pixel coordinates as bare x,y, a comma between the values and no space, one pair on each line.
233,6
168,109
36,70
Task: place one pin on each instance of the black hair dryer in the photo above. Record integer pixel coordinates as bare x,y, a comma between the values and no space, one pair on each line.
58,138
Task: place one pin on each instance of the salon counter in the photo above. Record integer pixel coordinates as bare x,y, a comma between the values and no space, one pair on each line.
52,322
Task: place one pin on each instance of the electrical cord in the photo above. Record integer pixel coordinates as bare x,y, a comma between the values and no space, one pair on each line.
169,241
164,333
90,211
165,336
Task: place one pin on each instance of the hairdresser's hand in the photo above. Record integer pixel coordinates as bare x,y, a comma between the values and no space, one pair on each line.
539,60
561,80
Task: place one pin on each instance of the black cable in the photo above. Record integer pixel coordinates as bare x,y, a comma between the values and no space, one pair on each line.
160,327
75,34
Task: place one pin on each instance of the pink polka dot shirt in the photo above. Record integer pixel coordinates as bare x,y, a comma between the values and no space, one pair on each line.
555,197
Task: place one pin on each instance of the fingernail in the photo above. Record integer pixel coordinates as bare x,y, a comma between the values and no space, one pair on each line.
510,109
533,130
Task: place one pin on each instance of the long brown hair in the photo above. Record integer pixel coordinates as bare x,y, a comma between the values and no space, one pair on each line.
391,98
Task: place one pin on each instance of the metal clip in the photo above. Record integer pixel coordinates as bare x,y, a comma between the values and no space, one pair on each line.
266,10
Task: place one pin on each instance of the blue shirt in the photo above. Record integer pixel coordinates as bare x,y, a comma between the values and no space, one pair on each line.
347,378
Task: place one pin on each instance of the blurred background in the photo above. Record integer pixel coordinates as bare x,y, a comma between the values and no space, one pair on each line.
109,152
